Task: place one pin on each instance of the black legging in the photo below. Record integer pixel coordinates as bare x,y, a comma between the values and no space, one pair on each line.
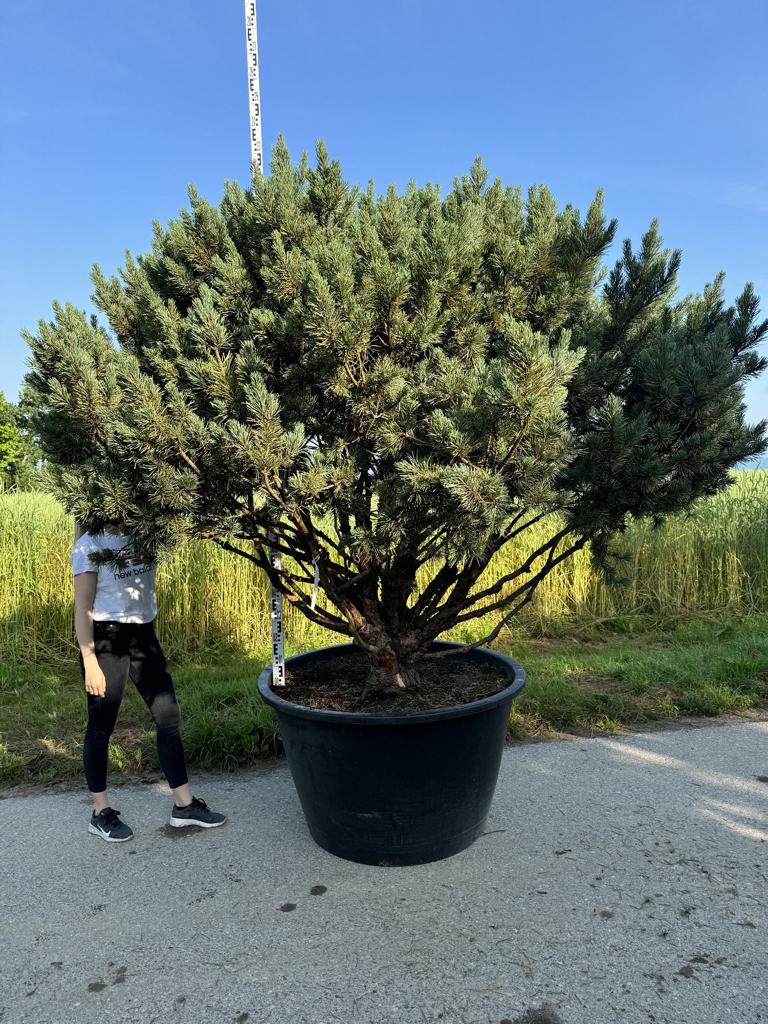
123,650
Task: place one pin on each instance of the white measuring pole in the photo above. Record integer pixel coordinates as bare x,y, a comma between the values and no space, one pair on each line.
254,96
254,107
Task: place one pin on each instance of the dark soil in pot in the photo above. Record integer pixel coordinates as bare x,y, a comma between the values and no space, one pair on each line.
339,684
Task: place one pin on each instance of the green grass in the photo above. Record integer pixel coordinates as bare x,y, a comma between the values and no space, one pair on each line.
43,711
701,667
607,679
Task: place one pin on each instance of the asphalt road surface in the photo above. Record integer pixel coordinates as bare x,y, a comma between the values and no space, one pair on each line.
620,879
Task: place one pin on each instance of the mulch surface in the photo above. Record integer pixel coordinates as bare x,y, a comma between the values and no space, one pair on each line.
338,684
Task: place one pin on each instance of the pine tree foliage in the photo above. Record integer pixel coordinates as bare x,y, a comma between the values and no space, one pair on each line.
386,380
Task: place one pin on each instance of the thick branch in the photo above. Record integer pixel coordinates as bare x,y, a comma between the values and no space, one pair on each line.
315,529
448,614
527,589
320,616
434,590
447,575
442,616
498,584
431,547
548,566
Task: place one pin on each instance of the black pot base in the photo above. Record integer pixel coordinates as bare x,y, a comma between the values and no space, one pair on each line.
396,789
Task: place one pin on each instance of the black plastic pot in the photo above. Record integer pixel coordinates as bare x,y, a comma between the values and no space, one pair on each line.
395,789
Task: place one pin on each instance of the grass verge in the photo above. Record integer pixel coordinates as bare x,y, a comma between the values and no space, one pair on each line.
608,677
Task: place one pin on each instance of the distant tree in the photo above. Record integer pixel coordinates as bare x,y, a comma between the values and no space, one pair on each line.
431,375
18,455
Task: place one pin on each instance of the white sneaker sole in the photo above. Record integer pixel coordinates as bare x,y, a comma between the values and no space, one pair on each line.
183,822
103,835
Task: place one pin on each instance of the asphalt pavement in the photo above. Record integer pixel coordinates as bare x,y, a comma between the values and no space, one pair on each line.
621,879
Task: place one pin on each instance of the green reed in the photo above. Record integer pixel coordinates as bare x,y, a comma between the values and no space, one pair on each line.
715,557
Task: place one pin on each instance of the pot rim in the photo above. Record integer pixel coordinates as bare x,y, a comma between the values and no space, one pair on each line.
514,670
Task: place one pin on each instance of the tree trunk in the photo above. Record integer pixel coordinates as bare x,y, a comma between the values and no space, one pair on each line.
392,648
390,673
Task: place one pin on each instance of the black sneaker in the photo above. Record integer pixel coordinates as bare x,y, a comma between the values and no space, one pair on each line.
107,825
196,813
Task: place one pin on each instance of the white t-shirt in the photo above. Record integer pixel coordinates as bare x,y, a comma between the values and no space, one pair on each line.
122,595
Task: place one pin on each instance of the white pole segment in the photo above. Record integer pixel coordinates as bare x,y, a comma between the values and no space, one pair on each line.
254,108
254,96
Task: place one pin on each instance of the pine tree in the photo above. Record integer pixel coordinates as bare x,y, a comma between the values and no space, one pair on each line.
384,381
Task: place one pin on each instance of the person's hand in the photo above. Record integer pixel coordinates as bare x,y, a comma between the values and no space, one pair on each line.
95,682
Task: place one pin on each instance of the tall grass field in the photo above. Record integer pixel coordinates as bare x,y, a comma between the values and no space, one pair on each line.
714,558
689,636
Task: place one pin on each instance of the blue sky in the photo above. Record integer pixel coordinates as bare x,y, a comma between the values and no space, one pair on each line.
108,111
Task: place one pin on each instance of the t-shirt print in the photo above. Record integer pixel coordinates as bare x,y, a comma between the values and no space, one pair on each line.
125,592
136,566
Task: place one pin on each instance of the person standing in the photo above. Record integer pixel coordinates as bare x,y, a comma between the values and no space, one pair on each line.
115,610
